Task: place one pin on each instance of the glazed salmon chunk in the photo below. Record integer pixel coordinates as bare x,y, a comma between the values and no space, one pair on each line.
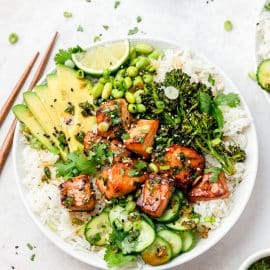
141,137
207,190
112,116
120,153
119,179
185,164
77,194
156,194
91,138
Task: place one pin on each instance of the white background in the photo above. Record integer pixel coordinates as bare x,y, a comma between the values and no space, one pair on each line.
191,23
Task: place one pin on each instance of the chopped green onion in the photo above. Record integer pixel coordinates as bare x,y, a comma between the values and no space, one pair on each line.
149,150
228,26
164,167
67,14
153,167
33,257
80,74
13,38
252,75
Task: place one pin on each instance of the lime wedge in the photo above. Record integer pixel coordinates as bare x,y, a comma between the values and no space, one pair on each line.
95,60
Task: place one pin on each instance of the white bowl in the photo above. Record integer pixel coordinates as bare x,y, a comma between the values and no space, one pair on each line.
241,197
257,45
254,257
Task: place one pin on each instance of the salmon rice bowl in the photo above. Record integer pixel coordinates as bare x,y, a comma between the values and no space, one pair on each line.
132,151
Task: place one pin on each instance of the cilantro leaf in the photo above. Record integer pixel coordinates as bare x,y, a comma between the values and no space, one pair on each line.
231,99
106,27
211,80
115,257
205,102
63,55
217,114
215,171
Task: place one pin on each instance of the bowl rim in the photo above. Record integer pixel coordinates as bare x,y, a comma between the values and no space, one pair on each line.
254,257
67,248
256,48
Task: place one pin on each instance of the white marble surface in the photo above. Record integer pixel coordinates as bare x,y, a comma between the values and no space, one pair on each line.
191,23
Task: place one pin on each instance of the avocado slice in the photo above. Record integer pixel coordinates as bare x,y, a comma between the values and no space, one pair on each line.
48,101
75,91
39,111
24,115
60,102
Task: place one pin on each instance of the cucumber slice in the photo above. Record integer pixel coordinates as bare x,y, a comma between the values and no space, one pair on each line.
263,74
158,253
98,229
189,240
172,212
148,220
118,216
182,224
173,239
145,239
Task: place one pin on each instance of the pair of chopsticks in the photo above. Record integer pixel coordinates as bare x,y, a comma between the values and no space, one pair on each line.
5,148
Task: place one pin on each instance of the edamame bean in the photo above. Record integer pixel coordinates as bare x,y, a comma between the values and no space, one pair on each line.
102,80
127,83
147,78
132,71
117,93
130,97
156,54
132,53
107,90
151,69
138,82
143,48
138,97
132,108
118,83
140,108
142,62
97,90
133,61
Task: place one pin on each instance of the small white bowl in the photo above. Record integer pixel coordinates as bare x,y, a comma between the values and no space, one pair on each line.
254,258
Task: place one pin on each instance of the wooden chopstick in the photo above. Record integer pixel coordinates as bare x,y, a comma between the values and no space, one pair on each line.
5,109
5,148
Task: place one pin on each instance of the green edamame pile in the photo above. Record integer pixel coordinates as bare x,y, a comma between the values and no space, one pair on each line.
130,81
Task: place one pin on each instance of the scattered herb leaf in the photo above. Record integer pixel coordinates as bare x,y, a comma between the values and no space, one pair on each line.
29,246
106,27
80,28
211,80
116,4
252,75
133,31
215,171
139,19
63,55
97,38
33,257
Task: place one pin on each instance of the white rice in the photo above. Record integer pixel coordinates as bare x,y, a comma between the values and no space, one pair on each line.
263,35
44,198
